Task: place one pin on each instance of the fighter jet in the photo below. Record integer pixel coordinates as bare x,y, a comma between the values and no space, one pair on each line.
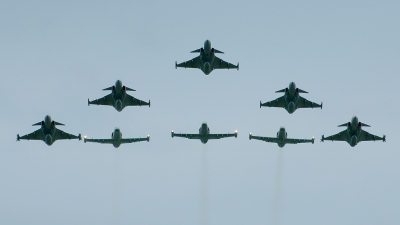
207,61
48,132
116,139
204,134
118,98
291,100
281,138
353,133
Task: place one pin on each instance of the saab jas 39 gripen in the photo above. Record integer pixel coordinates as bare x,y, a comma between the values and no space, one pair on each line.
353,133
48,132
207,61
281,138
204,134
116,139
291,100
118,98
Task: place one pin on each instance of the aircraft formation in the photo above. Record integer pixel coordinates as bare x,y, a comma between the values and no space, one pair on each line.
206,61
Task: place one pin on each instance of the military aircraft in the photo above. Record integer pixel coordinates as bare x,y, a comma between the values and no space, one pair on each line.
291,100
204,134
207,61
281,138
118,98
116,139
48,132
353,133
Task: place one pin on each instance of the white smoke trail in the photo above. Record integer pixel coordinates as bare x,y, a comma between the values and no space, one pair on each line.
204,188
277,198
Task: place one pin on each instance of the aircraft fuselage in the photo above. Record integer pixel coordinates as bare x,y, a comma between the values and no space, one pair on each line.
116,136
207,56
204,131
291,98
281,135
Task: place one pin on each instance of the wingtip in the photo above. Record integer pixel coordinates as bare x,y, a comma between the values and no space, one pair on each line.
18,137
172,133
149,103
313,140
322,138
322,104
88,102
79,137
148,138
176,65
238,66
260,104
250,135
384,138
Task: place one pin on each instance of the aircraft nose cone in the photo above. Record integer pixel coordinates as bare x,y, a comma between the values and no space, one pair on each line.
47,118
118,84
207,43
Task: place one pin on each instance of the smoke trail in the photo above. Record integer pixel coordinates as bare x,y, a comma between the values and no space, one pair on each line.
204,189
115,187
277,200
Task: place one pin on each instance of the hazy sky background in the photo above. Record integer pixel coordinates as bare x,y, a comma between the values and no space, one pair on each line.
55,55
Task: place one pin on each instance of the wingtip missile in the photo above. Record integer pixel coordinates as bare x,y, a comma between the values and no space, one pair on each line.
250,135
79,137
260,104
172,133
236,133
322,138
18,137
149,103
312,140
88,102
148,138
322,104
238,66
384,138
84,139
176,65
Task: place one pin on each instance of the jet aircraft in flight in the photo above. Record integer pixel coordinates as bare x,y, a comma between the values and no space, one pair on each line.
281,138
48,132
291,100
204,134
116,139
118,98
353,133
207,61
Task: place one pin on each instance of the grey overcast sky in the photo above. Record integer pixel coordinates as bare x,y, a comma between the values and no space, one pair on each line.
55,55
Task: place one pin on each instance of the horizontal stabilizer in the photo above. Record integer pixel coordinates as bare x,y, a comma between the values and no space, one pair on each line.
108,89
37,124
344,125
365,125
283,90
301,91
196,51
218,51
129,89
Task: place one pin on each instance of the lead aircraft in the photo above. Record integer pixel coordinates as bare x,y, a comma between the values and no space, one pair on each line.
207,61
204,134
48,132
118,98
354,133
291,100
281,138
116,139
